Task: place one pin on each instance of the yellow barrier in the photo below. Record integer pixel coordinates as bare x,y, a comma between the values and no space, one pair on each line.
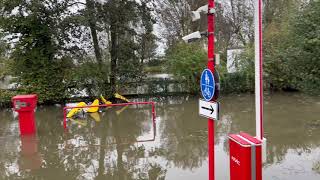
74,111
104,100
116,95
94,109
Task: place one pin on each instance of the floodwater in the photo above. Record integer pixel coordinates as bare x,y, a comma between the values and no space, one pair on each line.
124,144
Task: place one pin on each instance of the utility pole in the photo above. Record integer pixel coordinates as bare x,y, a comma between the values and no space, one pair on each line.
208,106
211,66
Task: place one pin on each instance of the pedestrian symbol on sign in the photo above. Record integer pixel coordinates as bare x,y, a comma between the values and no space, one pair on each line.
207,78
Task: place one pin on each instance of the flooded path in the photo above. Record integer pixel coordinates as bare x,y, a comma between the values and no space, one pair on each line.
124,144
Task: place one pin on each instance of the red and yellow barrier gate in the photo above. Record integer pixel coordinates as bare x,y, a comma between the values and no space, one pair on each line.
117,105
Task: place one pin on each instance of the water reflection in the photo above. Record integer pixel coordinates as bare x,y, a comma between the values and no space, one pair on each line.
109,145
183,135
108,150
30,157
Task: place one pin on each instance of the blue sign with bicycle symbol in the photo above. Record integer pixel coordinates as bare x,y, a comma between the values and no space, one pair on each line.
207,84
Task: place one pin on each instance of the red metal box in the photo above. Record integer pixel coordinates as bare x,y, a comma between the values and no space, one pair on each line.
245,157
25,106
25,102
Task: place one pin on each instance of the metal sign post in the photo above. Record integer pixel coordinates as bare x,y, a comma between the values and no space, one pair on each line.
211,67
207,79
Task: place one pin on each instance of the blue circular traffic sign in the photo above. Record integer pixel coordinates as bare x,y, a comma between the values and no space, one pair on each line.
207,84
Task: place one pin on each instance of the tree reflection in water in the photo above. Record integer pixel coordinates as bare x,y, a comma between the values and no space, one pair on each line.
117,156
183,136
107,149
104,150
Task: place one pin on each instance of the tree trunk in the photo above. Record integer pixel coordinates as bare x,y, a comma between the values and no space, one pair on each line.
93,28
114,56
102,154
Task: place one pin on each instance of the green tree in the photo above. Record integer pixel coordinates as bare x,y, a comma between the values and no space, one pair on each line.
39,60
186,61
305,50
291,44
91,16
124,19
3,58
241,81
277,40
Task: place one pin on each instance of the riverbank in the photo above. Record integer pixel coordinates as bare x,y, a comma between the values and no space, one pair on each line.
6,95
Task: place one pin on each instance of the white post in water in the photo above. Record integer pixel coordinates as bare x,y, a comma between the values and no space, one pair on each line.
258,68
258,6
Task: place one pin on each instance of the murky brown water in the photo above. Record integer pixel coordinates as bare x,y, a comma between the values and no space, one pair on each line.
110,145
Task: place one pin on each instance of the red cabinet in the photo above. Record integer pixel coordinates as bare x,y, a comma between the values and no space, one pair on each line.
245,157
25,106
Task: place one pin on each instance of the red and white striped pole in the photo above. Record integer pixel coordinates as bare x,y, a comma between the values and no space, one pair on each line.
211,66
258,68
258,14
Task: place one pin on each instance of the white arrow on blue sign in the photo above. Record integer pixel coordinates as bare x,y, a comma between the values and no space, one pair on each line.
207,84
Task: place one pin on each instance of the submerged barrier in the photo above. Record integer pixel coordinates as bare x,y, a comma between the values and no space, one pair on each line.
111,105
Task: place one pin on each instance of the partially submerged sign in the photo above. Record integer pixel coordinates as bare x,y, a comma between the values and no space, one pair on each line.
209,109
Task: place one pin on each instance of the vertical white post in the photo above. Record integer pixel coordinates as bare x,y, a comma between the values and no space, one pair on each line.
259,76
258,68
